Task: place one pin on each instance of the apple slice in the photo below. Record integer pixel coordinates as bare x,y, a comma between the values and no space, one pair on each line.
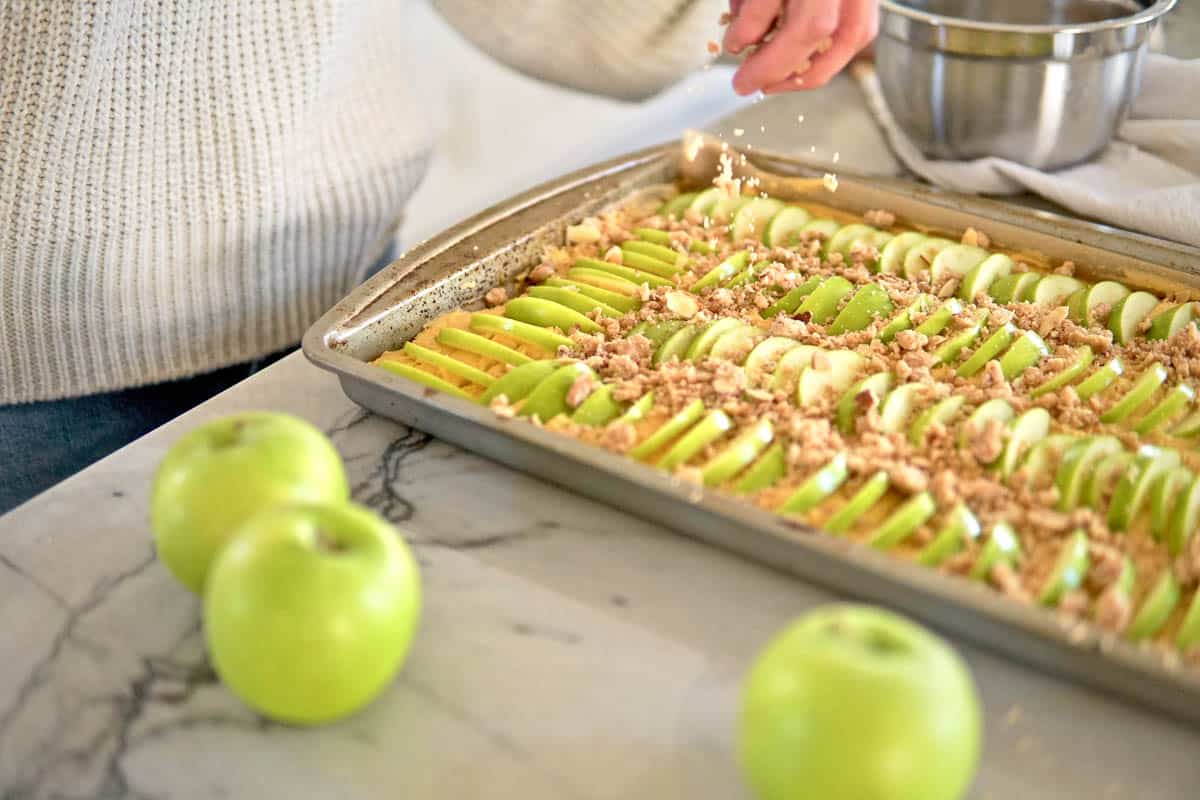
549,398
953,347
1128,314
677,205
1027,350
1188,426
1002,547
956,261
903,320
1134,487
792,300
999,341
1105,293
891,258
1069,570
748,275
983,275
1109,470
722,272
936,322
632,257
545,314
919,257
653,235
1026,430
704,202
576,301
819,486
823,303
765,472
547,340
1100,380
424,378
995,409
940,413
657,332
787,372
1156,608
620,302
876,385
1140,393
469,342
862,501
706,431
1053,290
751,220
1188,636
628,273
696,246
1185,516
835,375
869,302
451,365
603,280
846,236
1012,289
1175,403
904,521
703,344
1078,464
676,345
1171,321
726,208
1079,363
739,455
683,419
598,409
638,411
784,228
822,228
898,407
961,528
765,356
1041,461
1163,494
736,344
520,381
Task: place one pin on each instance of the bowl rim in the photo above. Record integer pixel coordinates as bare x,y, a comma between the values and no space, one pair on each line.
1148,14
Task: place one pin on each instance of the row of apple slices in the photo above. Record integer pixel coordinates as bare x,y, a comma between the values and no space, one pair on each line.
913,254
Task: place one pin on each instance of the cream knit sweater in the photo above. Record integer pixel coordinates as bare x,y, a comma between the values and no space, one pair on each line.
185,185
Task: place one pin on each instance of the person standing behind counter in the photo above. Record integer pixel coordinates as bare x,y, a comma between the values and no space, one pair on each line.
186,187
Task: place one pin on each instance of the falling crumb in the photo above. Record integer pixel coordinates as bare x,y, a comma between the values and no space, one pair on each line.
714,48
729,185
800,118
837,156
691,148
496,297
812,148
585,232
738,131
682,304
614,255
725,19
1013,716
830,182
762,128
475,248
825,44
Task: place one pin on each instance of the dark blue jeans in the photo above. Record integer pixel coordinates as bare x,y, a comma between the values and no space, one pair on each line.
43,443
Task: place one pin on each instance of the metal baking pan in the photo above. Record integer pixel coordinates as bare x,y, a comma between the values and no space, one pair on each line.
457,267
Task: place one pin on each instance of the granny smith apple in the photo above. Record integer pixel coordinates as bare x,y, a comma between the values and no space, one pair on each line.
995,344
311,609
1100,380
521,331
621,302
860,503
449,364
680,422
224,472
937,322
765,472
912,514
707,431
823,303
418,375
740,453
869,302
818,487
1141,391
481,345
854,702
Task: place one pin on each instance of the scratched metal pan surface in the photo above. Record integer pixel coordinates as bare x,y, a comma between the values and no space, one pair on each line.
456,268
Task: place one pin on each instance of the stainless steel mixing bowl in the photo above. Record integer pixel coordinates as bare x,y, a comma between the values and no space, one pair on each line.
1040,82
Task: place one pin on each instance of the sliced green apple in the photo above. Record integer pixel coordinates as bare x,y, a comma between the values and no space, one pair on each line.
838,369
1188,426
940,413
1100,380
787,371
603,280
1127,315
999,341
676,345
955,261
823,303
703,344
904,521
449,364
1176,402
636,276
847,412
704,202
677,205
792,300
1002,547
1027,350
1105,293
657,332
548,340
1053,290
1133,489
653,235
424,378
950,350
997,409
549,398
1156,608
1171,321
1070,569
722,272
784,228
708,430
765,472
764,358
1040,463
1080,361
983,275
1011,288
1188,636
545,314
673,427
576,301
1109,471
750,222
1078,464
739,455
1185,516
903,320
1025,431
638,411
621,302
847,235
519,381
960,529
921,255
898,407
726,208
859,503
891,258
598,409
736,344
1139,394
650,265
1163,494
821,227
936,322
481,346
818,487
869,302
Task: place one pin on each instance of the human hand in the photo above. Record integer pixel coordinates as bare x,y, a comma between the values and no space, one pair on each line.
800,44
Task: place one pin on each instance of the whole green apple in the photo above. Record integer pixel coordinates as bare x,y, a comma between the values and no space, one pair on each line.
310,610
222,473
853,702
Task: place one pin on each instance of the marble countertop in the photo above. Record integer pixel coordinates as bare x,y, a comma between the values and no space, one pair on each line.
567,650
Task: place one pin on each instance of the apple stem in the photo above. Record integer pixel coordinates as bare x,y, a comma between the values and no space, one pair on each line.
328,543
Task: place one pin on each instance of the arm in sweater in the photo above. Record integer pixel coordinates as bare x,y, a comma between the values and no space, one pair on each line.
626,49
